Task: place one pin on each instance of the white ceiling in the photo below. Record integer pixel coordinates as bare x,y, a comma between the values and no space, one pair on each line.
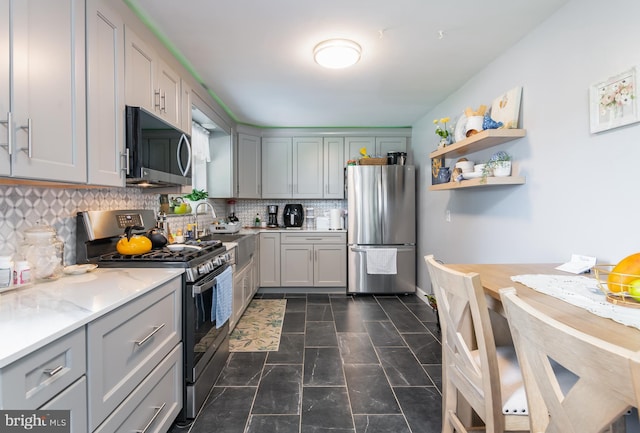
256,56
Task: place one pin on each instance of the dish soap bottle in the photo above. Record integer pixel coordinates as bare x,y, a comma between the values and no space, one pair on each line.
257,220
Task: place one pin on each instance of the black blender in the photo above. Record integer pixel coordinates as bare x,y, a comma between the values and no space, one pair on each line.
272,211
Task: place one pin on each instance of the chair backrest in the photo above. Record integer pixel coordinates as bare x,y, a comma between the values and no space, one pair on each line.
468,345
635,376
600,389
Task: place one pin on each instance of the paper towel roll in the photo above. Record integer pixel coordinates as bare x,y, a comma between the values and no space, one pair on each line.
335,218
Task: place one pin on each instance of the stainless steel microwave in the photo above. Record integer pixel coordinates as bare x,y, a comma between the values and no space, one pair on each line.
158,154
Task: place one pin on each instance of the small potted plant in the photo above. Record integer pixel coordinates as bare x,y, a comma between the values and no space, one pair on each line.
499,165
195,197
443,132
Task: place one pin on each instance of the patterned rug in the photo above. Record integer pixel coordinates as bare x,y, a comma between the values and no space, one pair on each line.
260,327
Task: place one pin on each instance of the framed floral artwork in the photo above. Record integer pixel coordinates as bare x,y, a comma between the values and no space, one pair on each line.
506,108
436,164
614,102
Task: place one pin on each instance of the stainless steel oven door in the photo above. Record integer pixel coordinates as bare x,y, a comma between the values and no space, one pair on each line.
202,337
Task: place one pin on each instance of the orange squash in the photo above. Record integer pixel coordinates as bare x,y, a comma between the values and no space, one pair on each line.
627,270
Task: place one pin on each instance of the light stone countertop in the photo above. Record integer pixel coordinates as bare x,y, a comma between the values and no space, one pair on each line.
32,317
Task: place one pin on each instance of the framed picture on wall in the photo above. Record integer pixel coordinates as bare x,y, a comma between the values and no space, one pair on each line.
436,164
614,102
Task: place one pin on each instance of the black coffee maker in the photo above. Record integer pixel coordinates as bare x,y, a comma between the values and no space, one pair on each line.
293,215
272,211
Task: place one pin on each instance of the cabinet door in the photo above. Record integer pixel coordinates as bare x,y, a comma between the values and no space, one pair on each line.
74,398
5,167
330,266
49,111
247,284
105,95
140,73
185,114
296,267
307,167
168,88
333,167
276,167
249,166
237,305
390,144
352,146
269,259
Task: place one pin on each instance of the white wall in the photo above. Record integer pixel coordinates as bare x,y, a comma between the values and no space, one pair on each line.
581,193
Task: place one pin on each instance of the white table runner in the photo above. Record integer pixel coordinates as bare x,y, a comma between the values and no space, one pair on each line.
582,292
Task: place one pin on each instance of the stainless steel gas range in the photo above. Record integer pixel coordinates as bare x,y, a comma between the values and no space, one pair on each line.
205,342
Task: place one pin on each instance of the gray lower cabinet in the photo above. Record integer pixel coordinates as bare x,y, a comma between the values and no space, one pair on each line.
35,379
125,346
269,259
313,259
120,373
73,398
154,404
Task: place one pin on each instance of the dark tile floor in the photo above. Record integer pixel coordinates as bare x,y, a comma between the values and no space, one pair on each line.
345,365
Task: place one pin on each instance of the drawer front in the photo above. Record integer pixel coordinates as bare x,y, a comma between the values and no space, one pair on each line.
154,405
125,345
34,379
313,238
74,399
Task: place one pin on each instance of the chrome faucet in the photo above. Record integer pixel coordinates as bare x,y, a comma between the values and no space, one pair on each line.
213,215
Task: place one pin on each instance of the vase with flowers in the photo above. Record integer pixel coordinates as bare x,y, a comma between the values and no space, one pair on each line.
442,131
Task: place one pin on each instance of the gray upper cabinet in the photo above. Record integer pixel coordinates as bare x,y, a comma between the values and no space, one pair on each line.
249,166
105,95
42,47
277,159
302,167
375,146
307,167
333,167
390,144
150,82
352,146
5,86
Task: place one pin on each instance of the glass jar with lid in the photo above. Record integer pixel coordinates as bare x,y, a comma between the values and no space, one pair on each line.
44,251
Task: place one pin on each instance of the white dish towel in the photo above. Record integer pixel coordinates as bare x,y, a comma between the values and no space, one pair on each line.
223,295
382,261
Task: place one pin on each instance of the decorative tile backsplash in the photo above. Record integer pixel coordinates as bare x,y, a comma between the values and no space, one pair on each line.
22,207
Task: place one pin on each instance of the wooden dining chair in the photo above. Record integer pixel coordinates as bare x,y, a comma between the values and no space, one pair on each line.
486,377
575,383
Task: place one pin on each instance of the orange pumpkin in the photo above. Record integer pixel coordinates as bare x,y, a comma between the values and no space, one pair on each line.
627,270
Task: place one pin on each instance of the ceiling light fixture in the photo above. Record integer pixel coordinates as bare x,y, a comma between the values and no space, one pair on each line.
337,53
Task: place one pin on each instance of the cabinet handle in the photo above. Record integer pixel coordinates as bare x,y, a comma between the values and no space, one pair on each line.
28,128
145,339
8,122
127,166
156,99
163,106
153,418
54,371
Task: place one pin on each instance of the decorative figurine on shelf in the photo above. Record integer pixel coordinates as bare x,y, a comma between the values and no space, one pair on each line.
443,132
489,123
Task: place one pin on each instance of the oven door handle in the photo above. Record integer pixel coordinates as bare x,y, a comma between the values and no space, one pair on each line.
208,281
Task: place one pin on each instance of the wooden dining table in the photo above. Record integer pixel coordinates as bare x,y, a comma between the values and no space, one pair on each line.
498,276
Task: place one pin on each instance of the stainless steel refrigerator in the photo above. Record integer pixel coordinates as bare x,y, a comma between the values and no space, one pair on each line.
381,229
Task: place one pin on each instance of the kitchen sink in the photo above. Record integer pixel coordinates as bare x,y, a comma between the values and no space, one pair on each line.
246,245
